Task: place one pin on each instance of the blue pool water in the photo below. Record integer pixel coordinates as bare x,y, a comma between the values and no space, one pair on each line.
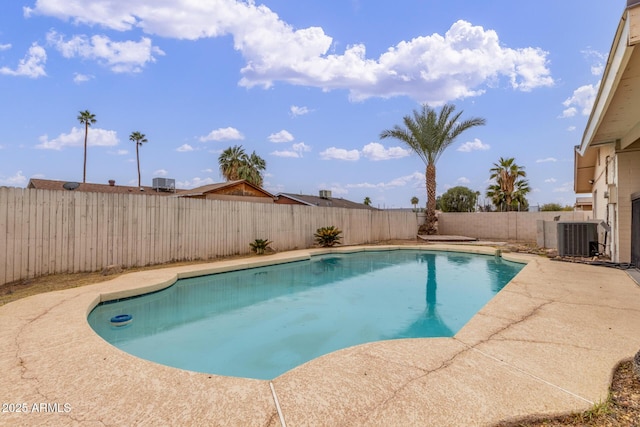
262,322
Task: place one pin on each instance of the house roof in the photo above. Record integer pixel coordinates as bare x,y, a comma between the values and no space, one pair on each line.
213,188
615,116
325,202
48,184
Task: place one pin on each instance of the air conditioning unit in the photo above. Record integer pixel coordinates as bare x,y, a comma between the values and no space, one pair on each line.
578,239
164,184
325,194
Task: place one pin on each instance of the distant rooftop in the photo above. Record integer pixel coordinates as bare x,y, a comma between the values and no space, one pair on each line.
329,201
111,187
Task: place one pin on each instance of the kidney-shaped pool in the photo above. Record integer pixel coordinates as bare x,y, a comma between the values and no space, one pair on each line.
262,322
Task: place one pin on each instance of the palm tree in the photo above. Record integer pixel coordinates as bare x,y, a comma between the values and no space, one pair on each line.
510,187
414,202
139,139
252,169
235,164
428,134
87,119
367,201
230,162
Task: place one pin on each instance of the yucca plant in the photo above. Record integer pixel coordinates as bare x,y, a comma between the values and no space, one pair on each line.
260,245
328,236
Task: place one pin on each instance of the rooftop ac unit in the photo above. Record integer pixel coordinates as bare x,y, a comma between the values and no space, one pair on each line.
164,184
325,194
578,239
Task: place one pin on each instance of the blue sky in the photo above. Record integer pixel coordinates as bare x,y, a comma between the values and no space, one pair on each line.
308,85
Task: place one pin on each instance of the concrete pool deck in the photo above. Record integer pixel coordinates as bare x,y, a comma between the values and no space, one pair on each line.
546,344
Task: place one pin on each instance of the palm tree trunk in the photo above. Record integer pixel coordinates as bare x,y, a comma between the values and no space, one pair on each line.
84,169
431,198
138,160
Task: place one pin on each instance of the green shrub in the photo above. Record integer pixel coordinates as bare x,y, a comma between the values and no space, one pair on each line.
328,236
260,245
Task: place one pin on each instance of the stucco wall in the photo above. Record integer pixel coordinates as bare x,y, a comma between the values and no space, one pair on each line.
628,183
505,226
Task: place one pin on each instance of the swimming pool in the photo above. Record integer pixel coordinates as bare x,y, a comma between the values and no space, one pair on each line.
261,322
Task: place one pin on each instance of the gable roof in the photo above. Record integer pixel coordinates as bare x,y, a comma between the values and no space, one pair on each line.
48,184
331,202
218,187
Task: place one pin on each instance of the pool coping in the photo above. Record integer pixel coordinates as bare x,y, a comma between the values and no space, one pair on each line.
546,344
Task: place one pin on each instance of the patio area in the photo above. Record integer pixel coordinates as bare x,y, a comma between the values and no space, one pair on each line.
546,344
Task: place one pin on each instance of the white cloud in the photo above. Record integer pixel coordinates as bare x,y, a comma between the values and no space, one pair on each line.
81,78
550,180
209,170
32,65
569,112
333,153
474,145
295,152
282,136
376,151
301,147
415,180
299,111
195,182
564,188
75,138
599,61
463,180
547,160
120,152
184,148
285,153
582,99
161,172
571,128
17,180
120,57
463,62
6,46
223,134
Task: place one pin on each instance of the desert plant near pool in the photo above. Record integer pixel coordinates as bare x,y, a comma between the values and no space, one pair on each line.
328,236
260,245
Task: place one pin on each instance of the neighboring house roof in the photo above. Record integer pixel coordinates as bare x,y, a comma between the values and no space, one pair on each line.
584,202
615,114
325,202
236,188
48,184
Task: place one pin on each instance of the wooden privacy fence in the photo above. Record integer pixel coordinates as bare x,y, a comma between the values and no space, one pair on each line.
46,232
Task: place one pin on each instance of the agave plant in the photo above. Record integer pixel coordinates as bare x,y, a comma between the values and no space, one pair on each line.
260,245
328,236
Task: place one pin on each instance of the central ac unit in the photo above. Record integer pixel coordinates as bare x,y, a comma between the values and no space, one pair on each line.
164,184
578,239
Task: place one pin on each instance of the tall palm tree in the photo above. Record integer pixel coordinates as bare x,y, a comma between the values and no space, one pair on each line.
87,119
510,185
139,139
428,134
